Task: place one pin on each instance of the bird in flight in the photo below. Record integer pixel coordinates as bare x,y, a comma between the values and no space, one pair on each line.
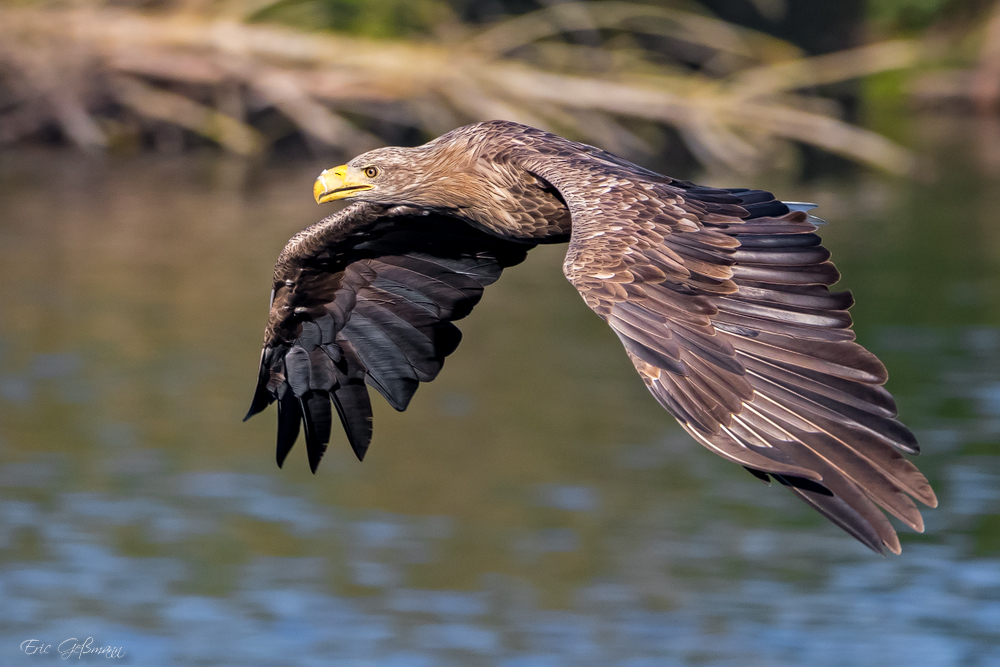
719,296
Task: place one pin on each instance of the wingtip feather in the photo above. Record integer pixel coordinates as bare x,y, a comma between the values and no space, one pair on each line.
317,417
289,423
261,399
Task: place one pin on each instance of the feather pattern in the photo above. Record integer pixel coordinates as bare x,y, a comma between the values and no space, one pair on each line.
720,297
368,295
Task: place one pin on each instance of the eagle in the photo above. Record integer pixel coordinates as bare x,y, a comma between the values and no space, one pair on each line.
720,298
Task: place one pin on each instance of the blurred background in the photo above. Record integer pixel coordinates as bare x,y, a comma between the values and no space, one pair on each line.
534,507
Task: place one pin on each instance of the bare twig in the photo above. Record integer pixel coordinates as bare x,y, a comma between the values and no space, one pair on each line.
314,118
172,108
831,68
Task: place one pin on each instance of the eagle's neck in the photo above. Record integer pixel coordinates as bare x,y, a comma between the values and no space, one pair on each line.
512,204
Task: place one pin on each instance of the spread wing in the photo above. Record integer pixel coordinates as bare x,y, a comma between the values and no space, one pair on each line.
721,300
368,295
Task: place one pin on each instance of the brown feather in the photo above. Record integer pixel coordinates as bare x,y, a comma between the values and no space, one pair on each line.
720,298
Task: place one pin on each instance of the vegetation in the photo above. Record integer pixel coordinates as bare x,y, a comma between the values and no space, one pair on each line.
349,74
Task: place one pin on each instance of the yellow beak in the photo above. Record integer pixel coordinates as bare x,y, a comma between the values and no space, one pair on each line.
334,184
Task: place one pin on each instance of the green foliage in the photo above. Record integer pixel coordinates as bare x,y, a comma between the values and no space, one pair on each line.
367,18
915,15
885,99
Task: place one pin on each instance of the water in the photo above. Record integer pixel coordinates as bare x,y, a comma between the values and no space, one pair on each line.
533,508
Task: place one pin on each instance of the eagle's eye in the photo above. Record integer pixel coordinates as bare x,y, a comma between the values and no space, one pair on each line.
371,172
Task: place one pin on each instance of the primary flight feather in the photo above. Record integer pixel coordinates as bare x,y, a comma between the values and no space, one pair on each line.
719,296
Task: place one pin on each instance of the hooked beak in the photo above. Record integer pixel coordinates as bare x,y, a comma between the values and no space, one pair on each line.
333,184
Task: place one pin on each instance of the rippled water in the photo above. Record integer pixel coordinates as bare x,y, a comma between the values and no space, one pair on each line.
533,508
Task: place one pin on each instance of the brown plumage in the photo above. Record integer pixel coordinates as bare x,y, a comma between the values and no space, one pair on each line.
720,298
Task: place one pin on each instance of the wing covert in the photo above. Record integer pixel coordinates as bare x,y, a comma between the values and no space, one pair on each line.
721,299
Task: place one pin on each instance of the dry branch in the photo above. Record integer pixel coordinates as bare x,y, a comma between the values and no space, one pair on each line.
177,68
180,110
678,24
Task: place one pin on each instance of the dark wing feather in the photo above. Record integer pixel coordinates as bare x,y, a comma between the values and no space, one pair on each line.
721,300
368,295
